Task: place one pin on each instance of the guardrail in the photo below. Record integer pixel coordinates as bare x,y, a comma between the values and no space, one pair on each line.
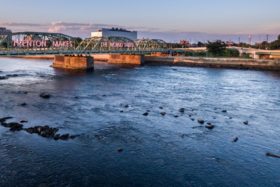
76,52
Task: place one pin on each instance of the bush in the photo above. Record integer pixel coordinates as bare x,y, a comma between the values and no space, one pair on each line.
196,53
216,48
231,53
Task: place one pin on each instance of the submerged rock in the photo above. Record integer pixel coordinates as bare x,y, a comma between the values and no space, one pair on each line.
64,137
146,114
235,139
44,131
201,121
3,77
182,110
3,120
45,95
246,122
23,104
210,126
13,75
14,126
272,155
120,150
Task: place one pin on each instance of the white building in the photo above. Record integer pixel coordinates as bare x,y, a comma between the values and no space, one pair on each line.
115,32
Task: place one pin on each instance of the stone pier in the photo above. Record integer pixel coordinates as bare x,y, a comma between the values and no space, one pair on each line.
126,59
73,62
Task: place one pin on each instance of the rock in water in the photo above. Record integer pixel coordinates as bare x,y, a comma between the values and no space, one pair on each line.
210,126
272,155
120,150
182,110
3,77
246,122
45,96
146,114
44,131
3,120
23,104
64,137
201,121
235,139
15,126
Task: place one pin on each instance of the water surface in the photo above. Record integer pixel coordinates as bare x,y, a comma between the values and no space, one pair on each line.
118,146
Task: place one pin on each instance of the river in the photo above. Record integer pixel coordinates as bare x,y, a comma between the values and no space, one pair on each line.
118,146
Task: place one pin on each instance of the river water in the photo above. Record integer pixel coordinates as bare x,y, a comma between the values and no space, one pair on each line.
119,146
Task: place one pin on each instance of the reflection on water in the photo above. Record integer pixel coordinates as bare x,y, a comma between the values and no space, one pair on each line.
119,146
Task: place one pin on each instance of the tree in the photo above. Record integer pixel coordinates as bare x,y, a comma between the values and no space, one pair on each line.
200,44
275,45
232,53
216,48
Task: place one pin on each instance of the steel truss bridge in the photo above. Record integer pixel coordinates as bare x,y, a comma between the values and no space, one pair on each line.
26,43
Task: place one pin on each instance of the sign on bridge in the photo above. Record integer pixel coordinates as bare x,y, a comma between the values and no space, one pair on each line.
42,44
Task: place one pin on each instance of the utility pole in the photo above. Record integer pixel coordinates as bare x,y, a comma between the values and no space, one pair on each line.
267,38
250,39
239,40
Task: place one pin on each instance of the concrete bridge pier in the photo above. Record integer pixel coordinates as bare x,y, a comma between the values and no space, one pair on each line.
126,59
73,62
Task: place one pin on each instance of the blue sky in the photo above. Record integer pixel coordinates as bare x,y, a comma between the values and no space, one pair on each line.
167,16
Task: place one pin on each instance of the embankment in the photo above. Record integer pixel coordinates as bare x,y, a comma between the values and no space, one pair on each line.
236,63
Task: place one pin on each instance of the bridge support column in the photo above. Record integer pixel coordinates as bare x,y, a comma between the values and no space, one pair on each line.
73,62
126,59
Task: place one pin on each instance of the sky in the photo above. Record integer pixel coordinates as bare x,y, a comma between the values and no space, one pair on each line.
169,19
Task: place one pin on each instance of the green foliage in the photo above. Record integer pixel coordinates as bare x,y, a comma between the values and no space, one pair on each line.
216,48
231,53
275,45
196,53
245,55
226,53
200,44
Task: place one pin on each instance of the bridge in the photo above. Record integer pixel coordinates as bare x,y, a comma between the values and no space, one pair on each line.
41,43
259,53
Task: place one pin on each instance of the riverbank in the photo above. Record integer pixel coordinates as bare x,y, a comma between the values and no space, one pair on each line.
232,63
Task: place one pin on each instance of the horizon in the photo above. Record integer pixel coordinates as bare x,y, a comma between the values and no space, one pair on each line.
164,19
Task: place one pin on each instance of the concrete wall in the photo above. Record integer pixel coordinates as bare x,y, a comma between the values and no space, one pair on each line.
215,62
126,59
101,57
73,62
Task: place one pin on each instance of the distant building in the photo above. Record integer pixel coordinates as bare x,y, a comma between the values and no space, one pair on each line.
184,43
5,37
115,32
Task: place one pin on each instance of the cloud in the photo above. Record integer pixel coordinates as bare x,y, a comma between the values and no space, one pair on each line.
84,29
20,27
76,29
